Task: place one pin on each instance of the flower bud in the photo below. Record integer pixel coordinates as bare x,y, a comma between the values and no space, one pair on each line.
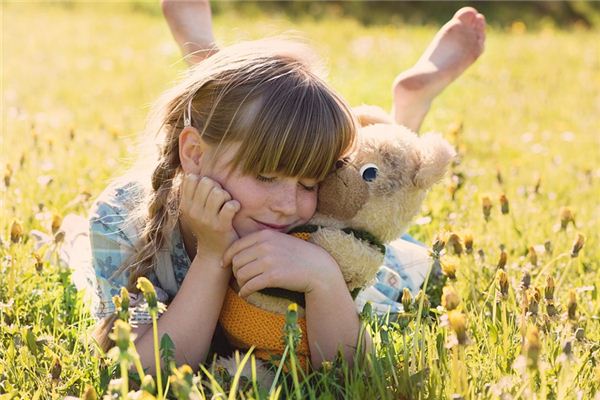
567,348
504,207
548,247
406,299
534,301
121,335
454,243
438,245
8,173
16,231
566,217
449,269
502,259
148,384
551,308
572,305
525,280
39,263
450,299
549,290
117,301
426,302
533,257
486,207
458,323
56,222
577,245
149,293
468,241
502,279
56,369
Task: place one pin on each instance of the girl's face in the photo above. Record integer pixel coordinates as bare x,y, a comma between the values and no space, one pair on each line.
267,201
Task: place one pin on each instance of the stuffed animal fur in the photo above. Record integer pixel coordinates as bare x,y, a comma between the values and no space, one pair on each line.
370,199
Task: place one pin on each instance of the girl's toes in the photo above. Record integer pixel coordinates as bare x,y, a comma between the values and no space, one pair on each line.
466,15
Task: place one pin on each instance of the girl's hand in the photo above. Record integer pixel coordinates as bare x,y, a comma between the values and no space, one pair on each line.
208,211
273,259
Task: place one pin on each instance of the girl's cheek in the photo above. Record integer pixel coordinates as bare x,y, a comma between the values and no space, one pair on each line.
309,205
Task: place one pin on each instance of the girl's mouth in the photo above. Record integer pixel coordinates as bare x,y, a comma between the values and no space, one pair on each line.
281,228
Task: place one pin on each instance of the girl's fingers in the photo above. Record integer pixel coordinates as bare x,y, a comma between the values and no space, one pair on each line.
253,285
247,272
215,200
204,187
228,211
188,188
241,259
240,245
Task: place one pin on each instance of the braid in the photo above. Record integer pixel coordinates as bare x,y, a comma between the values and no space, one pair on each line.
162,212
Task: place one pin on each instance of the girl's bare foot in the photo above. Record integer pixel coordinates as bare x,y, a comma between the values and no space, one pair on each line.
190,22
453,49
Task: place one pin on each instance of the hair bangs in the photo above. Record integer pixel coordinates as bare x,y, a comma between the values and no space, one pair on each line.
300,129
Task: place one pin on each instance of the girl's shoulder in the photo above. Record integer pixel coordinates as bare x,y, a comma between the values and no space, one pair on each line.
116,212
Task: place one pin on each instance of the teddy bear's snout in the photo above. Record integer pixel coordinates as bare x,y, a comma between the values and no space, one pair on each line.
342,193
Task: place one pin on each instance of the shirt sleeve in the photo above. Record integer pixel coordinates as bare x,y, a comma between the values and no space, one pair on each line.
111,245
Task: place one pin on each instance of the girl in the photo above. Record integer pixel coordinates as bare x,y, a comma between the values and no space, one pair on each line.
243,142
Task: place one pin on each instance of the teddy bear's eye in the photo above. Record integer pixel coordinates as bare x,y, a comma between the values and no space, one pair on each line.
369,172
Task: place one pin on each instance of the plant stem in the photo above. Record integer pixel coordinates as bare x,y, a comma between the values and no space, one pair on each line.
157,356
124,378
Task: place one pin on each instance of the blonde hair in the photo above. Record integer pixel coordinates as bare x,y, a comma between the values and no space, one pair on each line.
265,96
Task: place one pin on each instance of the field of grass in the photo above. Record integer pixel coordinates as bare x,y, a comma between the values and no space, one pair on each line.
76,85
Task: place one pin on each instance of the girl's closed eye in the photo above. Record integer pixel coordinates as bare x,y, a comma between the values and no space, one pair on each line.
263,178
309,187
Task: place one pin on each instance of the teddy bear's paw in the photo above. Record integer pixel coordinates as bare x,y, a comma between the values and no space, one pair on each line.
272,304
358,259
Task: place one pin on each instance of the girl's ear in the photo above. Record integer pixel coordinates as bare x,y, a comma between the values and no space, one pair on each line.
191,150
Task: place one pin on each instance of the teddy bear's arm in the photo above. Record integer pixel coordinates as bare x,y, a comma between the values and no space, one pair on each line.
358,259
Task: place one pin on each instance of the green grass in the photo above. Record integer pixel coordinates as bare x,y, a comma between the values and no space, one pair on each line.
77,82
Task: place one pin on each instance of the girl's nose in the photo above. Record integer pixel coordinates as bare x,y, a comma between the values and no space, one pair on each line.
285,201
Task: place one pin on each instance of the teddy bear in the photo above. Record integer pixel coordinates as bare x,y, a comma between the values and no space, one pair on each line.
369,200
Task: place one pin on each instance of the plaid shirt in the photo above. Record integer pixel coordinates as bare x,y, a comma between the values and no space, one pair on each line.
114,237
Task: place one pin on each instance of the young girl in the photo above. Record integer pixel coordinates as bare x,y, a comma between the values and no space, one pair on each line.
243,142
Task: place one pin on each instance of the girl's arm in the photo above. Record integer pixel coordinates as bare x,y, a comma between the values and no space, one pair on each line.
207,210
191,318
332,321
274,259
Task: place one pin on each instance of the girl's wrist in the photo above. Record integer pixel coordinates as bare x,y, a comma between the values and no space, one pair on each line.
330,277
210,260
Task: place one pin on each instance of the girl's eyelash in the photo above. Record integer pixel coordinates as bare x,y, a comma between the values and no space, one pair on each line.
262,178
309,188
265,178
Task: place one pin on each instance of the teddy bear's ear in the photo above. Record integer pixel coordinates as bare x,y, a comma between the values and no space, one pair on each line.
370,115
435,153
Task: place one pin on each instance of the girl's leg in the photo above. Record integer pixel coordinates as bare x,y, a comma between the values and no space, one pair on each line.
190,22
453,49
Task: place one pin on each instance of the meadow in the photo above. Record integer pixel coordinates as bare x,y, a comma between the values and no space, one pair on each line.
519,211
